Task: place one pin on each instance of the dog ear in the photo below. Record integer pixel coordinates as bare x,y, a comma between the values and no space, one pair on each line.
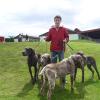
32,51
80,53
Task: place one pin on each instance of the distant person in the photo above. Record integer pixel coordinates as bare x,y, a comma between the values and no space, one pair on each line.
20,38
26,37
58,35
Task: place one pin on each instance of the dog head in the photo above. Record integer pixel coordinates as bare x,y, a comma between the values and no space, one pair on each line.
81,54
28,52
45,59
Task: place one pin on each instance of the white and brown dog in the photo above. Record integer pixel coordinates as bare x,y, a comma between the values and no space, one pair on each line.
57,70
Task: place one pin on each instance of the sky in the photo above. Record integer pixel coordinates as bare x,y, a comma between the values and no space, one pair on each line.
35,17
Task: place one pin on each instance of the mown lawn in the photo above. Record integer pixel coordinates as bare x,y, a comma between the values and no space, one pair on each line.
15,79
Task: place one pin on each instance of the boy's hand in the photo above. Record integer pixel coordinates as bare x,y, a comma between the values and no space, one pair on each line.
65,40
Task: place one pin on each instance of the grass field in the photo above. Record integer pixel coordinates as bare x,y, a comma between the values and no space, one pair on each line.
15,79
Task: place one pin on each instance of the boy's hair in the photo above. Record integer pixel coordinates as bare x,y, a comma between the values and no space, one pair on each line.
57,16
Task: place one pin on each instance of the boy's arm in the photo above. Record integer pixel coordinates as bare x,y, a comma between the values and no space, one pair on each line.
66,36
48,37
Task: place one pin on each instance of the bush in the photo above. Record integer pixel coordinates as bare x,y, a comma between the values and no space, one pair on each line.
9,39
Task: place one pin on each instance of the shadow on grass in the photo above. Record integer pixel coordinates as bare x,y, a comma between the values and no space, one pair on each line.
65,94
90,81
58,93
27,87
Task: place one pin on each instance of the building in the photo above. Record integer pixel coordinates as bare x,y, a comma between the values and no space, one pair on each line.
23,38
73,35
2,39
93,34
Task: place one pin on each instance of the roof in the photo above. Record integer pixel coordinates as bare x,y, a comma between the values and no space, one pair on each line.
71,31
89,31
93,33
44,34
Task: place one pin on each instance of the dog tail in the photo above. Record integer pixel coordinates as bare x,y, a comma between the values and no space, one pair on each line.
42,71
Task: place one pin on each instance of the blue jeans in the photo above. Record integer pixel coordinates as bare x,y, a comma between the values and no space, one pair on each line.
55,55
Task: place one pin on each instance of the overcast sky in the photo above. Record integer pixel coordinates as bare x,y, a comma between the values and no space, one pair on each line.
35,17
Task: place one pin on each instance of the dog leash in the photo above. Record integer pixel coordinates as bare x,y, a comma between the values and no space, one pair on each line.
70,47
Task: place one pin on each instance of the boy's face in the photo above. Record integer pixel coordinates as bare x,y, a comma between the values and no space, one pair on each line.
57,22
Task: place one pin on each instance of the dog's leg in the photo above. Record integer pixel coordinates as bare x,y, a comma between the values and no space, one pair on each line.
89,67
72,82
49,93
35,74
75,74
51,80
41,79
82,74
30,70
43,85
62,82
38,67
95,67
51,88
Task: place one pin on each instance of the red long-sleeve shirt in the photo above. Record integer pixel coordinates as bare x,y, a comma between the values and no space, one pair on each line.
56,37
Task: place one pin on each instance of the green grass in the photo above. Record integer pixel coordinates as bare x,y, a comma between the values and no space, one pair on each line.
15,79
